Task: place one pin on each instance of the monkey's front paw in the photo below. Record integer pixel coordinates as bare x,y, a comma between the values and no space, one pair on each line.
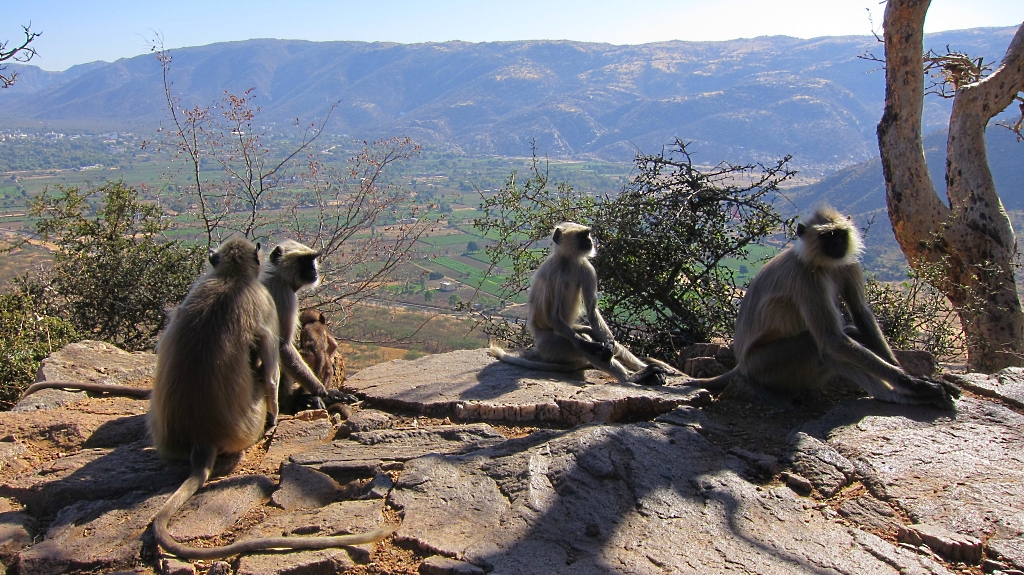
651,375
603,350
306,402
933,391
337,396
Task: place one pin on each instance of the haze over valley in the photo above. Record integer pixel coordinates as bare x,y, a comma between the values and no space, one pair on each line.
740,100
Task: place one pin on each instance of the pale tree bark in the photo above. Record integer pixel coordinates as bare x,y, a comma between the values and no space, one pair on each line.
970,237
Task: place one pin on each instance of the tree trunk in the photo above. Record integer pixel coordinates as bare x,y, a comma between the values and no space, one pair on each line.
970,238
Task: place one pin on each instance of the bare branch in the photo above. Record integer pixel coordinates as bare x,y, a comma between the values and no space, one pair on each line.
19,53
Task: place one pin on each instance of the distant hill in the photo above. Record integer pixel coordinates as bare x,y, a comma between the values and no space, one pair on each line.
860,188
742,100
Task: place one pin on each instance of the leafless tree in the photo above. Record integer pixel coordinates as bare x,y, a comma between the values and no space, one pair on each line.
18,53
969,234
364,225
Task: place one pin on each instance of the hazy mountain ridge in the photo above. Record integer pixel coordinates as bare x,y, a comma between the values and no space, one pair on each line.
741,100
860,188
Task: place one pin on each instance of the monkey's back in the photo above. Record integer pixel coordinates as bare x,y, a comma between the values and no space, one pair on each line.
206,387
769,310
559,277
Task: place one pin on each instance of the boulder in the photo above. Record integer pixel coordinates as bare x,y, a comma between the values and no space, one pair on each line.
90,361
470,385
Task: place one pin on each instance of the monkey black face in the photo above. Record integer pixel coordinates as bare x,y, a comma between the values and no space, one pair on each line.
585,242
835,243
307,268
580,235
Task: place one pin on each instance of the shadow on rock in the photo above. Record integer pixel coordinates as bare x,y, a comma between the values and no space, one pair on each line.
643,498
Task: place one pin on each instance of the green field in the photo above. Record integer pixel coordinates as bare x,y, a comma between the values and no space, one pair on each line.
472,276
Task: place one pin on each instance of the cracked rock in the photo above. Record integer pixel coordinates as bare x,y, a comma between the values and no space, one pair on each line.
869,512
90,361
662,499
174,566
218,505
441,565
822,465
1007,385
368,420
305,488
469,385
952,546
334,519
364,454
959,471
93,536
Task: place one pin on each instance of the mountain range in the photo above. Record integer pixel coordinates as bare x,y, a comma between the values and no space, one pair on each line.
740,100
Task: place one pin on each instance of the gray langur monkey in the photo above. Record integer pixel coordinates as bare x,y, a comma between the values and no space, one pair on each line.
291,267
216,387
562,290
790,333
318,347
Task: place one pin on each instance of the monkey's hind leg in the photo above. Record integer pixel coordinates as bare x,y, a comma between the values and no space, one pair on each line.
909,390
787,366
647,371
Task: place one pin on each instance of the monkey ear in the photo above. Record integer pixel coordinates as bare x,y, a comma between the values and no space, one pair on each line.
557,235
275,256
256,254
323,318
800,230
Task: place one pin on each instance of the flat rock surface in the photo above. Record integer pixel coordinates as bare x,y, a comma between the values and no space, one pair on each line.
603,499
219,505
367,452
961,472
93,474
89,361
334,519
470,385
93,536
1007,385
651,484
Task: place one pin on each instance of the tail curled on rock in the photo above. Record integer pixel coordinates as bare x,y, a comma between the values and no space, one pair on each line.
203,458
502,355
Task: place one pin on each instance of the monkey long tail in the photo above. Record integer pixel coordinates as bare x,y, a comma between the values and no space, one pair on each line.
121,390
203,458
716,383
502,355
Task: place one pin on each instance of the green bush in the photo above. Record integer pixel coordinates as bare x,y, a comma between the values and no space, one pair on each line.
662,243
27,335
916,315
115,273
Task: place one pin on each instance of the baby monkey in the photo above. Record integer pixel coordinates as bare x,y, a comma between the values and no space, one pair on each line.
563,289
318,347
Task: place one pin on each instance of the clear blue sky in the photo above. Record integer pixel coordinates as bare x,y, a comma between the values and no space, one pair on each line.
78,31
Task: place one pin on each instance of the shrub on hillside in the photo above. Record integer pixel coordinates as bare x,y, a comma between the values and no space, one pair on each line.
663,244
115,273
916,315
28,333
